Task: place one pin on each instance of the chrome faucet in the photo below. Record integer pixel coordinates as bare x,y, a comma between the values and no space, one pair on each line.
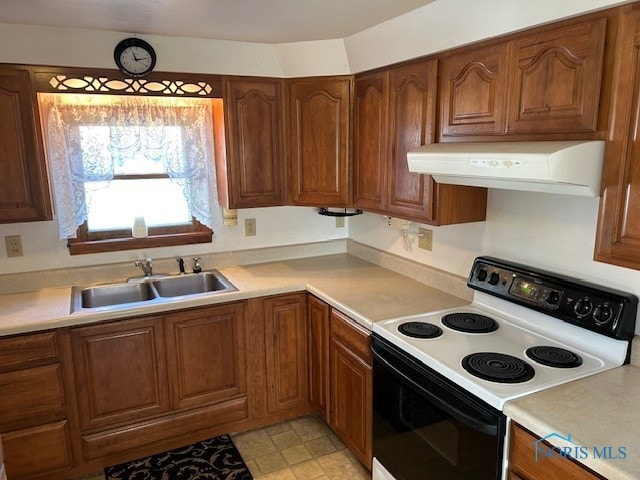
145,265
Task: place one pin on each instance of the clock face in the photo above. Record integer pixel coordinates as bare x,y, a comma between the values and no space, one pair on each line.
135,57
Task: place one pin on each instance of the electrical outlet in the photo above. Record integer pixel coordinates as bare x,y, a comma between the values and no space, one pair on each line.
339,222
250,227
425,240
14,245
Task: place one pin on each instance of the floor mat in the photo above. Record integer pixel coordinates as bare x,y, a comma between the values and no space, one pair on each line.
214,459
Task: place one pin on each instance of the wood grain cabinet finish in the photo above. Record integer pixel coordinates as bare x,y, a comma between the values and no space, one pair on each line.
370,141
206,355
319,136
618,235
394,113
41,450
33,406
523,464
412,120
255,156
351,385
473,91
318,318
24,188
556,78
286,352
120,372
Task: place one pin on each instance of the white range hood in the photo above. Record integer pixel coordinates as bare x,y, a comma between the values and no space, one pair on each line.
567,167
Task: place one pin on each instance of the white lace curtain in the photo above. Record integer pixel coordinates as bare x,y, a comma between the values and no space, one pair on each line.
135,127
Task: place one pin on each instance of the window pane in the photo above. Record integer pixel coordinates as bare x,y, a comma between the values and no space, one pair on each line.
113,205
134,149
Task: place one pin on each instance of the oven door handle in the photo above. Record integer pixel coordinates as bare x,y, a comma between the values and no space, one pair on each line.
470,421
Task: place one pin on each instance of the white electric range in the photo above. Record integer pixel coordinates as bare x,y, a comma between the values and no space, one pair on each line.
441,379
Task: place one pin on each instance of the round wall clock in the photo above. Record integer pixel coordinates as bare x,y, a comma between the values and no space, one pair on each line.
134,57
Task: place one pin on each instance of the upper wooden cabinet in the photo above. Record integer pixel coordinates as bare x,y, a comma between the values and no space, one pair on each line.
370,141
255,152
473,91
555,78
546,82
394,113
24,188
319,135
618,235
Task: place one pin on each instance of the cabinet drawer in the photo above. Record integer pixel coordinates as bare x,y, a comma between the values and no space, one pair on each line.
351,335
522,461
37,450
31,397
28,351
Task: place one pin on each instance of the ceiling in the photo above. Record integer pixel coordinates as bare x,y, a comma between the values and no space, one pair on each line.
264,21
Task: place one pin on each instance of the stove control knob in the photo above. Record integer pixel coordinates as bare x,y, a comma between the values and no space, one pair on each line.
553,297
602,314
482,275
494,278
583,307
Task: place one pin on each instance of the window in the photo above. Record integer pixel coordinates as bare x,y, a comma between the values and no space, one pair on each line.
115,158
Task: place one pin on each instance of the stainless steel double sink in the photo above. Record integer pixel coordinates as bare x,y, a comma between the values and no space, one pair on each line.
148,290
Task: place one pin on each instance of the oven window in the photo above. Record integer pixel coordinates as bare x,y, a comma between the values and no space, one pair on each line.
416,439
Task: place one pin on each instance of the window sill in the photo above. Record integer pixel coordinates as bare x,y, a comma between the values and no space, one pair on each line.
79,247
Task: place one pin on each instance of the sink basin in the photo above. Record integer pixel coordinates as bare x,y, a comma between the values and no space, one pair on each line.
116,294
192,284
152,290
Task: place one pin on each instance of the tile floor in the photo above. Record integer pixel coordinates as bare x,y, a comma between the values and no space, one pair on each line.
300,449
304,448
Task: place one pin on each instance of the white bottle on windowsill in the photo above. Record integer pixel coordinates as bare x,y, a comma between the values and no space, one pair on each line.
139,229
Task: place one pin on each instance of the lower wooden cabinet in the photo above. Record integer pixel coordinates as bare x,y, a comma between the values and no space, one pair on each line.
523,464
351,385
33,408
121,373
318,320
341,376
206,355
286,352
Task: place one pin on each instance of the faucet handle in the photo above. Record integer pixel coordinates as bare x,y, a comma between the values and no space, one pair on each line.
180,261
196,265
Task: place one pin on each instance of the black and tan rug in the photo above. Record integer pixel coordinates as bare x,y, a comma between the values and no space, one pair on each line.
214,459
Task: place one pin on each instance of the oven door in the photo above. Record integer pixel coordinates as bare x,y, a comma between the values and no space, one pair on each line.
427,428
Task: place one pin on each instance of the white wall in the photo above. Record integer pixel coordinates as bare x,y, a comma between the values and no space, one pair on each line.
275,226
445,24
553,232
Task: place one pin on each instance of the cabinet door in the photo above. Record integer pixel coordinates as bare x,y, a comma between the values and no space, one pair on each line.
474,91
205,355
618,237
351,385
370,141
286,352
412,123
24,188
254,119
556,78
318,316
319,112
120,372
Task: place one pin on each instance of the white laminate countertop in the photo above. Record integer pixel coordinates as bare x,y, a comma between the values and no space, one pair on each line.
364,291
602,410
